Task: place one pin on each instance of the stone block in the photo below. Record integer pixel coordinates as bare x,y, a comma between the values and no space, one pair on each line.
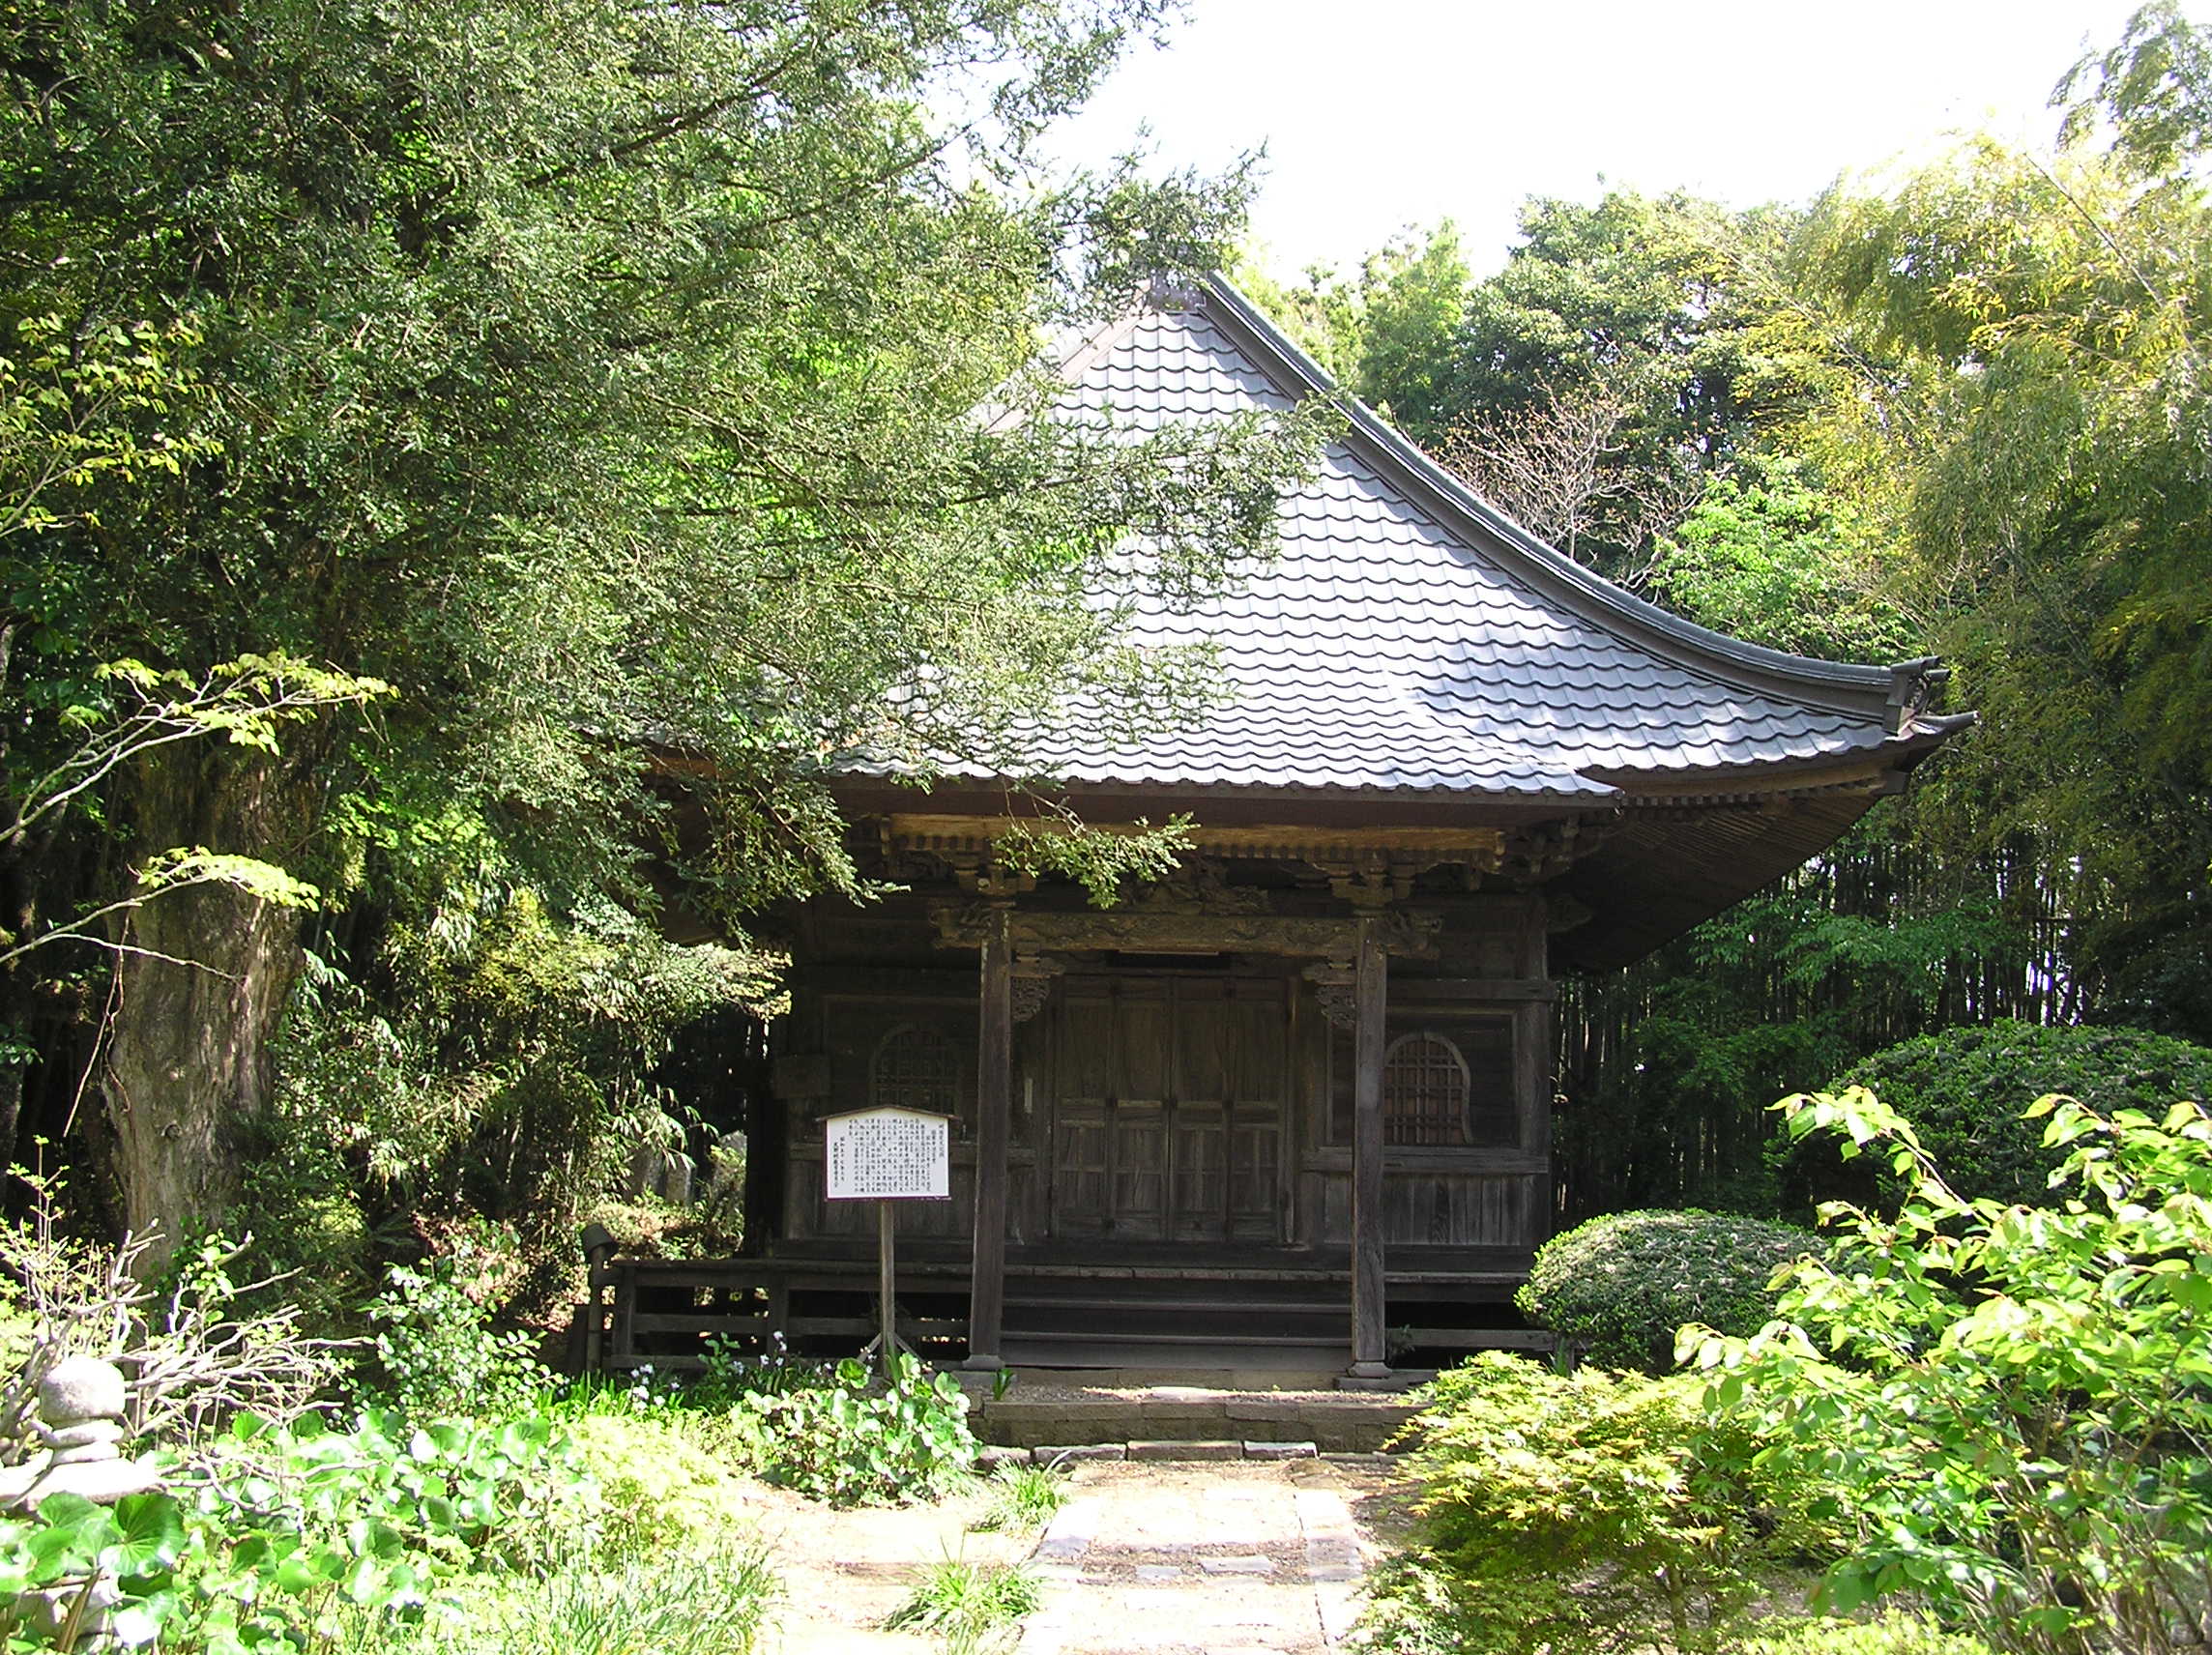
1256,1450
1046,1455
79,1388
85,1436
1173,1448
1251,1565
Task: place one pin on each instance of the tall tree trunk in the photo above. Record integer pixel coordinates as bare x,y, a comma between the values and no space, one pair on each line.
189,1074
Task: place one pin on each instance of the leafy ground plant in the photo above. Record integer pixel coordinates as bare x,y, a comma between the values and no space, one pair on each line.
716,1601
668,1479
283,1536
729,1373
854,1442
438,1355
2012,1405
56,1563
971,1607
1822,1635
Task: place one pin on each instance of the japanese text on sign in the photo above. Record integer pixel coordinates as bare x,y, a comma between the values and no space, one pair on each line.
888,1154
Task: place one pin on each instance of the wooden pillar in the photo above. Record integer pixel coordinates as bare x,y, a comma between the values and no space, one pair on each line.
887,1288
1369,999
993,1118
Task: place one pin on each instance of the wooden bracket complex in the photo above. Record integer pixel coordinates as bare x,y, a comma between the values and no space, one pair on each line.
1031,984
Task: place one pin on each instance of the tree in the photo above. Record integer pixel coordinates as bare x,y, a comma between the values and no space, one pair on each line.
2031,426
1385,335
1557,470
602,378
1412,301
1780,563
1634,299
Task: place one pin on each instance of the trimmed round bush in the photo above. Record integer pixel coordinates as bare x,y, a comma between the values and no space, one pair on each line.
1621,1285
1965,1092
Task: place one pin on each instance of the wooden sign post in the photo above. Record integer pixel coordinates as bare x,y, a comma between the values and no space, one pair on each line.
888,1155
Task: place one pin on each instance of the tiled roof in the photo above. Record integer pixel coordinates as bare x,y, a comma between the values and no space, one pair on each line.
1408,639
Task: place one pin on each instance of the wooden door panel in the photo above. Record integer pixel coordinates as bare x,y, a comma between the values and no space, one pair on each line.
1256,1173
1168,1098
1258,1037
1199,1185
1080,1170
1145,1029
1085,1050
1140,1172
1203,1034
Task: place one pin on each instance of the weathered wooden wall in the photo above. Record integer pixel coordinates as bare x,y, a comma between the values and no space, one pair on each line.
1200,1101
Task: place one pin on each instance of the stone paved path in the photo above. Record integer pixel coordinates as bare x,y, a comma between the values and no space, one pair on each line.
1205,1558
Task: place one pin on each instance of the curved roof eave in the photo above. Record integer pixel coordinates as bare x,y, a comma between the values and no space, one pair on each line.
1609,787
1841,684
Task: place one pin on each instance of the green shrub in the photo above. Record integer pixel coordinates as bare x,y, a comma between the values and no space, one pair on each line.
1586,1513
852,1443
666,1480
437,1355
1620,1286
1965,1092
2011,1405
1821,1635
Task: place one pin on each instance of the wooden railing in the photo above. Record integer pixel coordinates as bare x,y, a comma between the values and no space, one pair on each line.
660,1313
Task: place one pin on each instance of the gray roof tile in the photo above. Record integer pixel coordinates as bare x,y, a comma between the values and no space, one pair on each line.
1408,639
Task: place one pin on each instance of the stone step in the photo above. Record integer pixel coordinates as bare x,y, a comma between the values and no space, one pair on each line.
1335,1423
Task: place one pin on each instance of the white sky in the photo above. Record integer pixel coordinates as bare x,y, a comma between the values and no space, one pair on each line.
1377,114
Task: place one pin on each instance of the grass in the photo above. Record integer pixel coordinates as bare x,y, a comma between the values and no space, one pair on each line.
1022,1498
705,1602
971,1607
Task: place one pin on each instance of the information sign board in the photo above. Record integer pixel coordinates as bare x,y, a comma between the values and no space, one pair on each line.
888,1154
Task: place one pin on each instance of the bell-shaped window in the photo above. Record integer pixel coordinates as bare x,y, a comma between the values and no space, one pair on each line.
915,1068
1424,1092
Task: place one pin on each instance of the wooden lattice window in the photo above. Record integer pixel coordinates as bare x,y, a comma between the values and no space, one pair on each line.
1424,1092
915,1068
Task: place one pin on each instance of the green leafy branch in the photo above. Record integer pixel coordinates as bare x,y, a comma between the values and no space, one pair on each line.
1098,859
67,398
247,701
2015,1408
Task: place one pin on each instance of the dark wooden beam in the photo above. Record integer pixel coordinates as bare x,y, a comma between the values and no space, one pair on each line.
1398,933
994,1116
1370,993
1266,841
1408,991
